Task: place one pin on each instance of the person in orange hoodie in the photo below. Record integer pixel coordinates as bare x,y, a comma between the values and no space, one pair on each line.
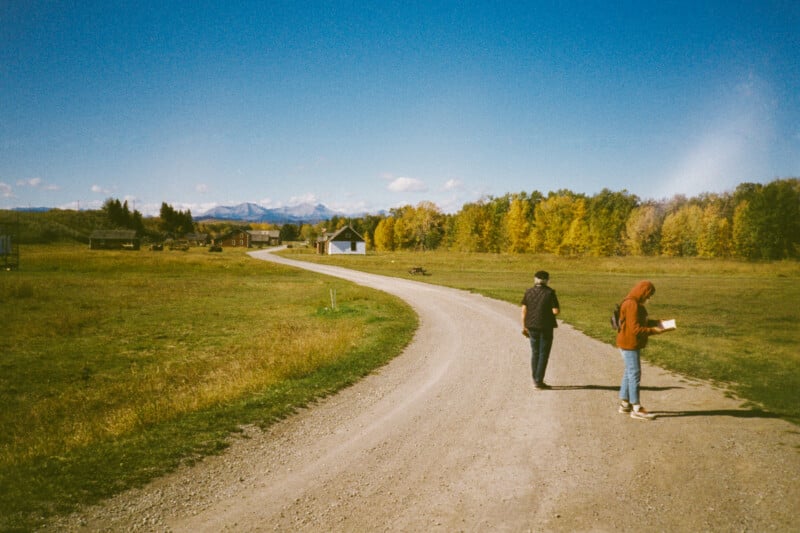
634,329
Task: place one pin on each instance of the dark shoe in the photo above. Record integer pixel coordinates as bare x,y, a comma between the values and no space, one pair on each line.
541,386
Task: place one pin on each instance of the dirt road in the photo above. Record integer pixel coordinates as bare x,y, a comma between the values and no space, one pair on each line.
451,436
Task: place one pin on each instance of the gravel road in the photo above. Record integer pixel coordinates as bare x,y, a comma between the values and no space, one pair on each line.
451,436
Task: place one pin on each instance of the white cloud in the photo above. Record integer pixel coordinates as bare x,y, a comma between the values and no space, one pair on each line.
100,190
453,185
150,209
352,207
202,188
204,206
30,182
93,204
407,185
37,183
5,190
307,198
269,203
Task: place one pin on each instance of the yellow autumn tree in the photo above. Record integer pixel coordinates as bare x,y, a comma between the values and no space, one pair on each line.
643,231
714,239
552,220
518,226
679,234
576,241
384,235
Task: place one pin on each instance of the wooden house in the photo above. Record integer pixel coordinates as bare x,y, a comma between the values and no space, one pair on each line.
261,238
235,240
117,239
197,239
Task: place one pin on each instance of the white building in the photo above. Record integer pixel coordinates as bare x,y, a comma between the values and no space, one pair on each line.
344,241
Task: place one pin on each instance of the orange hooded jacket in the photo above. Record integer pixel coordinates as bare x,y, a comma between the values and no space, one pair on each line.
634,325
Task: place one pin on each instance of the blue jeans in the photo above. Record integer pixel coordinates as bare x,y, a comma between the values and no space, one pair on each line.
541,342
629,388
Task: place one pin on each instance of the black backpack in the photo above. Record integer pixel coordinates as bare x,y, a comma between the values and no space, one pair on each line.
615,323
615,318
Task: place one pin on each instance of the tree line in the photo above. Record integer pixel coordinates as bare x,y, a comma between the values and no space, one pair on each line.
756,221
171,222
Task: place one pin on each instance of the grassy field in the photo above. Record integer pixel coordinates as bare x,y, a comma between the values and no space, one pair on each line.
737,321
118,366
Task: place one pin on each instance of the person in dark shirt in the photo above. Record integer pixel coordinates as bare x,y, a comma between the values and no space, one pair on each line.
539,309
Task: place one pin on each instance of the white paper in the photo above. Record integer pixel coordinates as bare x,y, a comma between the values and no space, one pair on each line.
668,324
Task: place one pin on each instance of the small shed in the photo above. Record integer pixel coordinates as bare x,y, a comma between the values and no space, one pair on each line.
321,242
344,241
114,239
263,238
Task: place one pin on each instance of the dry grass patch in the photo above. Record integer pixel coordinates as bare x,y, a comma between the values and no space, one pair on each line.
146,357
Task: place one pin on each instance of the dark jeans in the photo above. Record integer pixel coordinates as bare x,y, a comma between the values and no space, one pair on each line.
541,342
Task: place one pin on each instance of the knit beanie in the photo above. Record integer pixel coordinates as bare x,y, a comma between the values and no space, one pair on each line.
541,277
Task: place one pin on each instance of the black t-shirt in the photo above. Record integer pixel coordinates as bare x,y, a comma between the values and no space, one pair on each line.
540,301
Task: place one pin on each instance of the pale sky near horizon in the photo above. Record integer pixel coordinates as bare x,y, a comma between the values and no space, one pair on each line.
365,106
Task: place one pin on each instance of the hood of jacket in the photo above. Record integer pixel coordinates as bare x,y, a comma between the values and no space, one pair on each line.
642,291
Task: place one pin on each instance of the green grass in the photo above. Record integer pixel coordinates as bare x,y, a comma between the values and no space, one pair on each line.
738,322
117,367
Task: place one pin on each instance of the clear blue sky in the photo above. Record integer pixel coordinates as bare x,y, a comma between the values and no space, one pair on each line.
371,105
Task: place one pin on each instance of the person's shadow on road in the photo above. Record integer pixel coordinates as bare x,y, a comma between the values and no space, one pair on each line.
606,387
735,413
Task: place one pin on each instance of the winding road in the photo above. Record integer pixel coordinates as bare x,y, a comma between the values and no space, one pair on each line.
451,436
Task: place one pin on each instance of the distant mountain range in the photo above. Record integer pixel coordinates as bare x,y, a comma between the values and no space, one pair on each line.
31,209
249,212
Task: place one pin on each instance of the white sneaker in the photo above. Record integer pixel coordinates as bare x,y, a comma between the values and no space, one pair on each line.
640,413
625,407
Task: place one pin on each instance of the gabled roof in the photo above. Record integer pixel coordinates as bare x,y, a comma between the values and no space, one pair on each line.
346,233
258,235
234,233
